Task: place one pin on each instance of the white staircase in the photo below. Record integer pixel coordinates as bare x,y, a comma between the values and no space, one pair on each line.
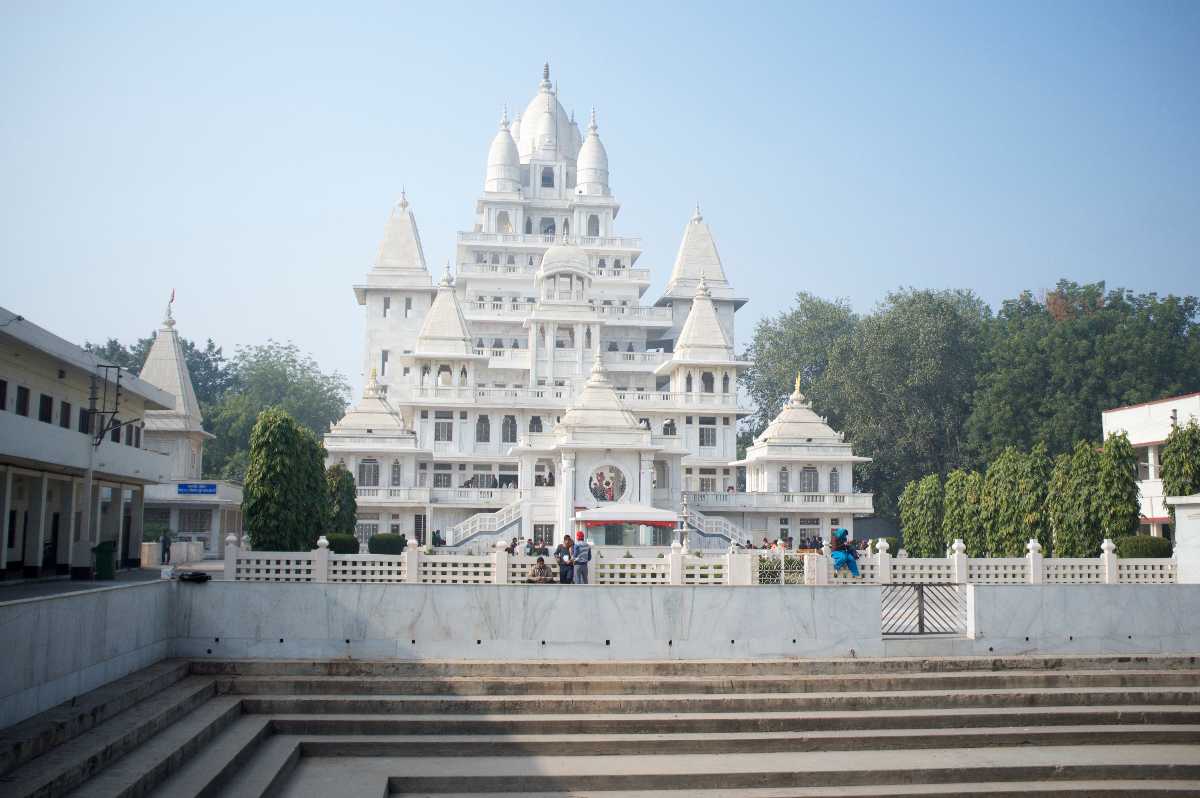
484,524
714,531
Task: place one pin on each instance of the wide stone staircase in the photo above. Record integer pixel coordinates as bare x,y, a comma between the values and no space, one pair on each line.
1034,726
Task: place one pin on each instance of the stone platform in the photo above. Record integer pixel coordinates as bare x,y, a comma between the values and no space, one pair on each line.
763,728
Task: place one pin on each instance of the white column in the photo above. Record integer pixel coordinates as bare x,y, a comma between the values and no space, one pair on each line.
1187,538
37,525
321,560
214,525
1035,575
499,564
566,493
73,486
883,562
533,354
551,349
5,508
137,509
231,555
646,479
958,556
412,557
1108,557
579,350
675,564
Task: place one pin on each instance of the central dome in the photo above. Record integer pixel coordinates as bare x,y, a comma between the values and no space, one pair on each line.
544,116
562,256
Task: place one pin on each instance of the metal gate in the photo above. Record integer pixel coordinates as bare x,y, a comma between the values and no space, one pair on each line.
923,609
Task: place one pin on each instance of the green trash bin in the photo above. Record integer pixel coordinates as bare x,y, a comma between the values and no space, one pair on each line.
103,553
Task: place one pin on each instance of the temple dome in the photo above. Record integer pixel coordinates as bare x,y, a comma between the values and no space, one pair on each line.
546,130
504,162
592,167
563,256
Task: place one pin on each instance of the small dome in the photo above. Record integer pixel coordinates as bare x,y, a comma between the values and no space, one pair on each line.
503,163
592,168
564,256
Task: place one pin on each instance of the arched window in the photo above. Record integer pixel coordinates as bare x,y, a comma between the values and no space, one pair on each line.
616,263
602,263
566,227
725,384
629,347
669,427
547,226
783,480
495,258
497,343
528,225
445,375
508,430
835,481
535,423
462,376
503,224
707,382
593,228
688,384
808,480
479,343
587,338
396,473
547,177
613,347
483,429
511,260
368,473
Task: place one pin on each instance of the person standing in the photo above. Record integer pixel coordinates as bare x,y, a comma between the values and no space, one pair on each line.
581,555
562,555
164,545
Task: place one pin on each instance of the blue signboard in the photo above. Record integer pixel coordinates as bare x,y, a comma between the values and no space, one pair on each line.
196,488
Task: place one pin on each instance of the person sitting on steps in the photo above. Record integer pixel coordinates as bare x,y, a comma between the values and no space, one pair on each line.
539,573
844,555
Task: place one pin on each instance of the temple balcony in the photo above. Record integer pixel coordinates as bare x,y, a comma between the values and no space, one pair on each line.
791,502
541,241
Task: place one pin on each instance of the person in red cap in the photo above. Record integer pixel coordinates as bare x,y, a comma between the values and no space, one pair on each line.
581,555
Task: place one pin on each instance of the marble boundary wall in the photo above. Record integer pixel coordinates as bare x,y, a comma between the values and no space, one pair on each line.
59,647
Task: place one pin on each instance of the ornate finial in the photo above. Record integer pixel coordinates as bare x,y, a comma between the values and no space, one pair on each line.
592,124
572,116
696,216
797,390
446,279
702,287
504,118
169,321
403,203
371,389
546,85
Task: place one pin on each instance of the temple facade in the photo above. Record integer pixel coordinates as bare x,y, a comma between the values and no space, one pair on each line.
533,386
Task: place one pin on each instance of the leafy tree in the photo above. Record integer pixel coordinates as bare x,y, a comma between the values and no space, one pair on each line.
1082,533
1000,506
1181,462
961,512
923,525
1057,509
270,375
343,504
797,341
899,386
1055,364
211,376
907,505
1032,480
1120,510
114,353
283,505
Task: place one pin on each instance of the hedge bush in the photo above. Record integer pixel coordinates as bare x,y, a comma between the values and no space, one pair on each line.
1142,546
343,544
387,544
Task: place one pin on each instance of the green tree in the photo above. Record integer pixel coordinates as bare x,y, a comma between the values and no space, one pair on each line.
284,507
1081,532
1032,480
1001,507
923,528
343,504
271,375
1120,511
796,342
907,507
899,386
1181,462
961,512
1053,365
1057,508
211,375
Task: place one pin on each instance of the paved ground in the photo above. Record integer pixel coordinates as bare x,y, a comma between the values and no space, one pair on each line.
54,586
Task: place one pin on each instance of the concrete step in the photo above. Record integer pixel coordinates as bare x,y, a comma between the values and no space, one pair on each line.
619,685
265,774
68,765
449,745
31,738
138,772
733,722
658,668
547,773
739,702
994,789
209,772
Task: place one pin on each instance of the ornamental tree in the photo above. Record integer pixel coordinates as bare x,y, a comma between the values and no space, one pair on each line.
1000,505
1081,533
1034,473
1056,509
1181,462
284,498
961,511
921,515
343,504
1120,512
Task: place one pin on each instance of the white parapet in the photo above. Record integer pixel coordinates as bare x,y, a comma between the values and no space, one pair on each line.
1187,538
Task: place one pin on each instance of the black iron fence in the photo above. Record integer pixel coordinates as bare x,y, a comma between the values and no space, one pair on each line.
923,609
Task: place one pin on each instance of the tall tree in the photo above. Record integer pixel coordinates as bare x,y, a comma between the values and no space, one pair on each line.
961,512
797,341
1033,477
1120,510
278,503
1000,505
1181,462
923,519
1081,532
900,385
1057,508
343,504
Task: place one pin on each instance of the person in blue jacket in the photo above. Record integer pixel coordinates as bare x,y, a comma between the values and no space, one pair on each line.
844,555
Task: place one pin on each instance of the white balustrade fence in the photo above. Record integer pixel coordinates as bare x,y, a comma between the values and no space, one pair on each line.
678,566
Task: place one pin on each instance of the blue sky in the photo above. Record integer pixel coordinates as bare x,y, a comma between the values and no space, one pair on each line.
247,157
